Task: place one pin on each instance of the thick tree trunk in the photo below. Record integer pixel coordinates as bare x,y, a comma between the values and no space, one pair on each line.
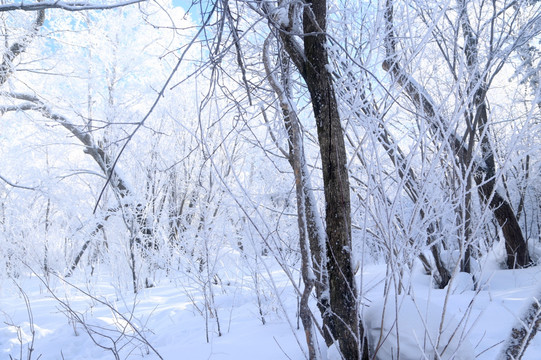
345,323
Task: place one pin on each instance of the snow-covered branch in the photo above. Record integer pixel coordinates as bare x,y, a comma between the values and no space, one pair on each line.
68,6
6,67
33,103
523,332
15,185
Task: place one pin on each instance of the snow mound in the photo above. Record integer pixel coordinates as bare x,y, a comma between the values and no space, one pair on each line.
410,329
461,283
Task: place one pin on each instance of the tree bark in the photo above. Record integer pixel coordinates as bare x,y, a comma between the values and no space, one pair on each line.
523,332
515,245
345,323
15,49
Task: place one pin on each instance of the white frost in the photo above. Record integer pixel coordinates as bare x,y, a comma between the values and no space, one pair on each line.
281,16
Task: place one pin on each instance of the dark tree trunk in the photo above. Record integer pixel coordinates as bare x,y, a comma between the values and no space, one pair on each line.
515,245
345,323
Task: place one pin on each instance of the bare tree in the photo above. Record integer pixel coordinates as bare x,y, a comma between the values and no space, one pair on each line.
311,60
136,220
477,125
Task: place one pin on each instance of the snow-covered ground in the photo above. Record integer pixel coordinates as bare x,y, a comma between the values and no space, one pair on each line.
94,319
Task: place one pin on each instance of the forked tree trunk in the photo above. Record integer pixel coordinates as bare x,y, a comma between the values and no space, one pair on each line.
516,247
477,119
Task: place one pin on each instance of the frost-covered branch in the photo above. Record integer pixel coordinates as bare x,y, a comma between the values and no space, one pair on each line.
64,5
107,338
33,103
485,179
287,30
311,234
6,68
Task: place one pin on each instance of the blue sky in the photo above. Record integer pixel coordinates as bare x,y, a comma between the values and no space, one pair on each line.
183,3
194,12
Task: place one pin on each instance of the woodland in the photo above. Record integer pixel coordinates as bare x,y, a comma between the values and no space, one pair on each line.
297,179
